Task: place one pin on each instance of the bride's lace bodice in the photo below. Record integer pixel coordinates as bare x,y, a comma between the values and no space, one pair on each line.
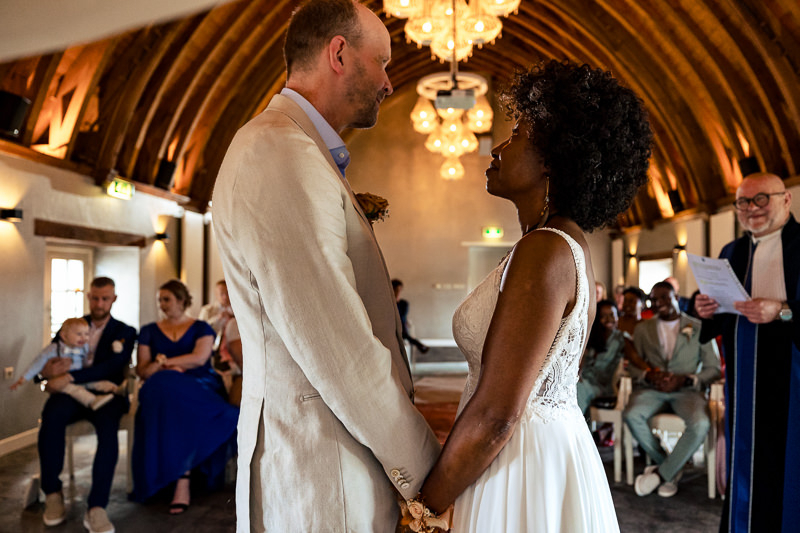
553,395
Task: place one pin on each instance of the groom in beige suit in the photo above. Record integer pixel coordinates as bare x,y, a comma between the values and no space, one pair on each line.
328,433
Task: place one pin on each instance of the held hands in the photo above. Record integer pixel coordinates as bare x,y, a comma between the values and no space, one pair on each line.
414,516
165,363
665,381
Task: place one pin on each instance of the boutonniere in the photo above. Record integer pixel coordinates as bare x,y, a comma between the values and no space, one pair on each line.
117,346
687,330
375,208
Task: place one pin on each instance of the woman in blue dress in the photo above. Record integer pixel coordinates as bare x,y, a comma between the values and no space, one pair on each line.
184,421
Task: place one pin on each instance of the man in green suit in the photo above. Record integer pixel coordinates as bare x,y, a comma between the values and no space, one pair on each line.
680,370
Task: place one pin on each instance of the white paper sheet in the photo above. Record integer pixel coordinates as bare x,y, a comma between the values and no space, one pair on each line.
716,278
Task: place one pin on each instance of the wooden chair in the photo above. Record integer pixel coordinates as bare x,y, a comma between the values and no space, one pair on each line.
669,423
614,417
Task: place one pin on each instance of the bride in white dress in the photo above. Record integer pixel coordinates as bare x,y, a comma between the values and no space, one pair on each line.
520,457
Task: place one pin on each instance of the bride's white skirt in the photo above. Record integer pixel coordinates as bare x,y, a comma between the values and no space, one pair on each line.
547,479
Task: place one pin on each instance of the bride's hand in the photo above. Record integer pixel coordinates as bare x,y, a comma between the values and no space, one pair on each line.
408,523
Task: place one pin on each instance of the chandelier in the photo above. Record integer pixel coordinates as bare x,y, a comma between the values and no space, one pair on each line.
451,27
452,123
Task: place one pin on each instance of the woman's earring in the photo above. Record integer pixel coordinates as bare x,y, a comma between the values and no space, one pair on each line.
546,208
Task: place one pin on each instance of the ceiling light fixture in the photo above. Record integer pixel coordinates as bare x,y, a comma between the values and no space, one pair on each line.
451,27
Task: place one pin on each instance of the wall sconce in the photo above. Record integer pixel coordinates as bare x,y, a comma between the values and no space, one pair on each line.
11,215
678,248
629,256
163,237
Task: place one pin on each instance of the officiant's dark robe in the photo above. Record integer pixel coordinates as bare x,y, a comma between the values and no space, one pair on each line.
762,393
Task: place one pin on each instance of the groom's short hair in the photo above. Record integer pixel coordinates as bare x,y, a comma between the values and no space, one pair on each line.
312,27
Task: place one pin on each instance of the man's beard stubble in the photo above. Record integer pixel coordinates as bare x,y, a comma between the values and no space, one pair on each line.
363,99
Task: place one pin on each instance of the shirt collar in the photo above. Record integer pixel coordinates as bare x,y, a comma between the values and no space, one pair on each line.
328,134
769,236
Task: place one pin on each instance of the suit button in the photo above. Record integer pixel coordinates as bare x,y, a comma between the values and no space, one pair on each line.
395,473
404,485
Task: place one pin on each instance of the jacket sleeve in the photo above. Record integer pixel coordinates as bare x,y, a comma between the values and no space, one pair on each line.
712,327
637,374
710,371
110,365
36,366
294,236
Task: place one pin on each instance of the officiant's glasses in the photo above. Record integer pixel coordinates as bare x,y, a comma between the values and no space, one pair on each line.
761,199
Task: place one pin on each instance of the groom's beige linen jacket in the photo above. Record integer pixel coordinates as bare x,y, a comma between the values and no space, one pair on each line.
327,428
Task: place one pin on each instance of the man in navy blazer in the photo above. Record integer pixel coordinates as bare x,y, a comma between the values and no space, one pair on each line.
110,346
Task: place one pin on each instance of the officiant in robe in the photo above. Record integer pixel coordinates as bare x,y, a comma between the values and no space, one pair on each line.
762,350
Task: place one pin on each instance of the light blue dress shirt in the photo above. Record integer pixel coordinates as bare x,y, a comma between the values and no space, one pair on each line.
329,136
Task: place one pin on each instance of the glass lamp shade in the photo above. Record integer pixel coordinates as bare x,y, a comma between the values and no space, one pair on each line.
479,126
426,126
435,141
479,118
423,30
481,110
469,142
443,47
423,110
480,27
403,8
444,8
452,169
450,113
501,8
452,148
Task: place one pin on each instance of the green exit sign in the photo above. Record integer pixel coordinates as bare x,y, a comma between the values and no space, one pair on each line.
119,188
492,232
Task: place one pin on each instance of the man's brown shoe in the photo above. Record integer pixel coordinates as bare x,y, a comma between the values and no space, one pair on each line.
54,510
96,521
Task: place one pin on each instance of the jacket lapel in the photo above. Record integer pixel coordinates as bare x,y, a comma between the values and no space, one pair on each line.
286,106
655,343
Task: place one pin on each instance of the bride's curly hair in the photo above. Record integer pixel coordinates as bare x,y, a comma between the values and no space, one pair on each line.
593,134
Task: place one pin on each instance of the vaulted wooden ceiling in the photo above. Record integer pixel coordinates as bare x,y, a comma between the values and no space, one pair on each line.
719,77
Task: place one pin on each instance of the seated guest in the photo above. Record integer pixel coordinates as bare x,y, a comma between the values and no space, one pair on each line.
219,312
680,369
600,290
184,421
633,299
619,291
230,349
683,302
110,346
72,341
630,313
604,350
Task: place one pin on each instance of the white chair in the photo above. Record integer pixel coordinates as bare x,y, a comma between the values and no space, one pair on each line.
667,423
614,417
84,427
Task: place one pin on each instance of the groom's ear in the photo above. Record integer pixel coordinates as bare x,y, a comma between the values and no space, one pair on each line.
336,51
